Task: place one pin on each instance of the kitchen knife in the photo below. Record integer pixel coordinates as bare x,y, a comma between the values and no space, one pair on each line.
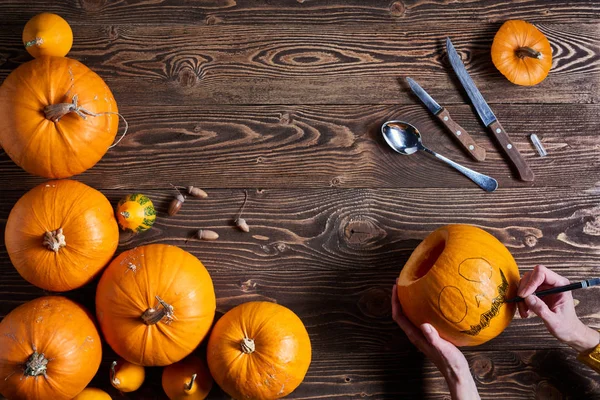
487,116
443,115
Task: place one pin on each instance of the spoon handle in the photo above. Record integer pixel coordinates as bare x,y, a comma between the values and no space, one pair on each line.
485,182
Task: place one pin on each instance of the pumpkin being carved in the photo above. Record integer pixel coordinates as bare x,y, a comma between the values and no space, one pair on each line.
60,234
457,280
58,117
155,304
49,349
259,351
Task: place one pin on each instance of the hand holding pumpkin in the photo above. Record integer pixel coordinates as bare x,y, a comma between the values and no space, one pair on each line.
446,357
556,310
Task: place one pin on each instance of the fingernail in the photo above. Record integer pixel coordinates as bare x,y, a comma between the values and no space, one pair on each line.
427,328
532,300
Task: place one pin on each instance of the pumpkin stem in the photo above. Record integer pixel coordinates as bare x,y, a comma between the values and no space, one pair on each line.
36,364
35,42
523,52
248,345
154,315
190,385
54,240
113,374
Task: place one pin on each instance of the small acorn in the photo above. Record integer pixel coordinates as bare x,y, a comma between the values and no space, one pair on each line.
205,234
242,224
176,204
196,192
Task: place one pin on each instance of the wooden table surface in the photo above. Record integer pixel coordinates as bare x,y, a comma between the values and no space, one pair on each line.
285,99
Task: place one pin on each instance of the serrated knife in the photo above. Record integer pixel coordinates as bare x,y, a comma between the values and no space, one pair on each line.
487,116
467,142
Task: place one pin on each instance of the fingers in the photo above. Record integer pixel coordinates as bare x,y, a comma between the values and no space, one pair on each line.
538,277
523,311
539,308
396,307
430,333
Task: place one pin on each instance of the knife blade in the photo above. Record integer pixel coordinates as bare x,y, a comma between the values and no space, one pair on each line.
457,131
487,116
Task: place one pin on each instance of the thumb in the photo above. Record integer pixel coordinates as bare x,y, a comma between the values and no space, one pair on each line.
430,333
538,307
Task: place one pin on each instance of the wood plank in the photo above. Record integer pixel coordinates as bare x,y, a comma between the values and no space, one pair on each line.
305,64
332,255
334,12
331,146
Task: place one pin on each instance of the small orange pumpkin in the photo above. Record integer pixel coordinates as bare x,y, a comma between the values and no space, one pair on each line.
522,53
187,379
457,279
47,34
91,393
259,350
155,304
136,213
49,349
126,377
60,234
58,117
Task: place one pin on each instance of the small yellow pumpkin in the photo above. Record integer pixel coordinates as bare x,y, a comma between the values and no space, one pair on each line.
522,53
126,376
91,393
136,213
47,34
187,379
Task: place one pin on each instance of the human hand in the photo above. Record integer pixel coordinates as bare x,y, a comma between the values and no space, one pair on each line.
447,358
556,310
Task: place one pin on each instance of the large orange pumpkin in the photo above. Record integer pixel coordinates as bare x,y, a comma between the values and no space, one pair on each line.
49,349
54,117
60,234
155,304
259,351
457,280
521,53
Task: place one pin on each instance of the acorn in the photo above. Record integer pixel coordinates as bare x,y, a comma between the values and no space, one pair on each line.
205,234
196,192
242,224
176,204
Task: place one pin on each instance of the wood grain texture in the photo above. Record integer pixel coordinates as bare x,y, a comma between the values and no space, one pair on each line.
331,146
304,64
335,12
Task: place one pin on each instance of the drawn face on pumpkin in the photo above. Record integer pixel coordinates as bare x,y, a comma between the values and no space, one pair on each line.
487,297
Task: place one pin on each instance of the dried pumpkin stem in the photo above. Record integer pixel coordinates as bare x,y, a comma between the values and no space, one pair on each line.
248,345
154,315
35,42
523,52
54,240
36,364
113,374
190,385
54,112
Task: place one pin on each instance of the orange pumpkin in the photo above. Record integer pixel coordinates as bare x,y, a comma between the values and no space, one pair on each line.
49,349
60,234
259,351
155,304
126,377
47,34
187,379
58,117
92,394
522,53
457,280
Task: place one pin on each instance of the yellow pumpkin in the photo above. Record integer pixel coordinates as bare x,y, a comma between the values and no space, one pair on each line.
47,34
126,377
91,393
187,379
259,351
522,53
136,213
457,279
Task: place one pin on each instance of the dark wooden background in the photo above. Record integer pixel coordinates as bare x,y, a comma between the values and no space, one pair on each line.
285,99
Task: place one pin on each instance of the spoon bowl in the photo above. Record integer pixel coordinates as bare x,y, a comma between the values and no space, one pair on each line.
405,139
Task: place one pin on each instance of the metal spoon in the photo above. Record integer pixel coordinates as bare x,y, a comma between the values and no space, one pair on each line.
405,139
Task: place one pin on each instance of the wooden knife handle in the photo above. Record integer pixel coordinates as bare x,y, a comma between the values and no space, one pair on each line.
525,173
467,142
